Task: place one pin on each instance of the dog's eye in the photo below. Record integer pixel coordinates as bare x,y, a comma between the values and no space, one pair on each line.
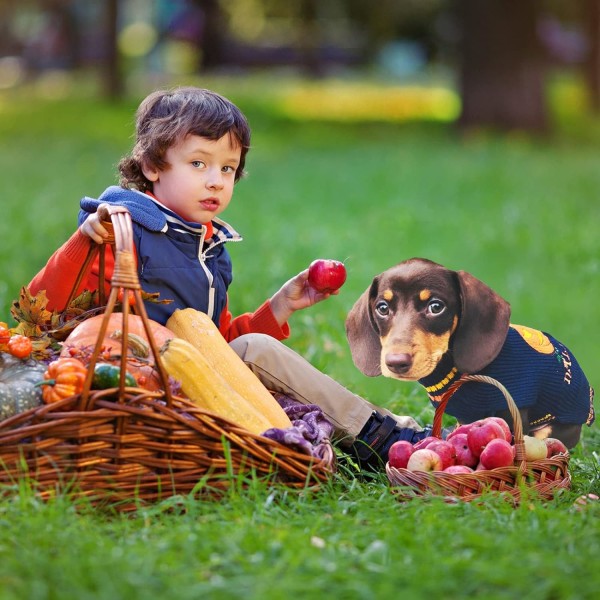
435,307
383,308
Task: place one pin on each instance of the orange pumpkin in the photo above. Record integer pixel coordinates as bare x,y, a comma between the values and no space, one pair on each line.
64,377
140,360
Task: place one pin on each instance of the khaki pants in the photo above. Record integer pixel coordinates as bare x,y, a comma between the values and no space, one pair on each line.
282,370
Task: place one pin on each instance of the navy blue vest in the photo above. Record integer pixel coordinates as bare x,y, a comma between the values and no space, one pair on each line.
171,261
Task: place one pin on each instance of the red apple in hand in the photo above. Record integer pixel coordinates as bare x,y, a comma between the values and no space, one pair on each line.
399,454
481,434
498,453
326,275
424,459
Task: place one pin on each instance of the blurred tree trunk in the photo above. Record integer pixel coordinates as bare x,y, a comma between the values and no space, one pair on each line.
310,38
113,78
592,63
211,42
378,21
9,46
502,67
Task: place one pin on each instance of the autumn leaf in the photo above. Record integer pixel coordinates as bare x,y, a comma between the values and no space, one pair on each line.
35,320
154,298
48,328
31,312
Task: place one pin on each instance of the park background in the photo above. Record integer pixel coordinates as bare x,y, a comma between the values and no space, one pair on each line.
463,131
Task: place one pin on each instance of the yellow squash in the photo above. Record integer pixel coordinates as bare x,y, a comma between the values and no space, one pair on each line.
205,387
199,330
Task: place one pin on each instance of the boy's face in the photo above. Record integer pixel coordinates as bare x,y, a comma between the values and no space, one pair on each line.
198,184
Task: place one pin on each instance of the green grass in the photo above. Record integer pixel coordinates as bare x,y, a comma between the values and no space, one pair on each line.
521,214
352,538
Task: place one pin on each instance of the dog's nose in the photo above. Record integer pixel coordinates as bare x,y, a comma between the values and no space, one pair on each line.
398,363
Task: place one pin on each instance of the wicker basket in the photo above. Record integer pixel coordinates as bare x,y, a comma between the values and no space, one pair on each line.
123,446
541,478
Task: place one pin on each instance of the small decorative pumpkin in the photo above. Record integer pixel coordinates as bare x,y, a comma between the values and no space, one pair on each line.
140,362
64,377
20,346
4,334
19,384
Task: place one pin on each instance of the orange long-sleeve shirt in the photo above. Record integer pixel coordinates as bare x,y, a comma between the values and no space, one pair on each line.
59,274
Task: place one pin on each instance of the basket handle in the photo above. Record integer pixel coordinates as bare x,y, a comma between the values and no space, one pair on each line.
124,277
512,407
105,210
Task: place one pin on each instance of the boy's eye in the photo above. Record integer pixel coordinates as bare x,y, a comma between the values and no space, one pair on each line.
197,164
228,170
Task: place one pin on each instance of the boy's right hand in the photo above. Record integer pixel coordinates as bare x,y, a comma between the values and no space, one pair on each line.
98,226
296,294
93,228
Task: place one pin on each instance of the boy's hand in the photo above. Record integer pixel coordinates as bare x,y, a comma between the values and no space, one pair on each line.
294,295
93,228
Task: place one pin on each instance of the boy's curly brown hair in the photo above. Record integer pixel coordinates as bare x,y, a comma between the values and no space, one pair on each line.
166,116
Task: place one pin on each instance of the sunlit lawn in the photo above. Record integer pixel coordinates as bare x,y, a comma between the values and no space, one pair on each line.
521,214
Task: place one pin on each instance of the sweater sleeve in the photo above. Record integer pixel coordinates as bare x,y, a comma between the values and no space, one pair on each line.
261,320
59,274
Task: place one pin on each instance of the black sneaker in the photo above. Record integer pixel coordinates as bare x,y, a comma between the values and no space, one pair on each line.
373,443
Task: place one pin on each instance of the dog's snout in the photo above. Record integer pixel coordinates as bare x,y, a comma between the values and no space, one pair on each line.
398,363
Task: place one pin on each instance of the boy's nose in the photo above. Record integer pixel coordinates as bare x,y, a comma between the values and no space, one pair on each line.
215,179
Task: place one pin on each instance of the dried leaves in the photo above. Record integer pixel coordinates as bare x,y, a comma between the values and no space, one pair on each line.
47,328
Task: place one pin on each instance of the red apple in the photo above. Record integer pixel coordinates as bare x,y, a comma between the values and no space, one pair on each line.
497,453
426,441
483,432
326,275
554,446
446,451
456,469
508,436
462,428
424,459
464,456
399,454
535,448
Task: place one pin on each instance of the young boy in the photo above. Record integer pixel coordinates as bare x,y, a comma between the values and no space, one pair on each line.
190,150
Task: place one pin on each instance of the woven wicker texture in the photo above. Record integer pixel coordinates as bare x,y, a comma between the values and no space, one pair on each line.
124,445
541,478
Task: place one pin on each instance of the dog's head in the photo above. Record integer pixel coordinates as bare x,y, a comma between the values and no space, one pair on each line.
414,313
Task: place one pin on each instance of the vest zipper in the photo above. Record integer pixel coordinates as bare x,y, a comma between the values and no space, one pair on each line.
210,309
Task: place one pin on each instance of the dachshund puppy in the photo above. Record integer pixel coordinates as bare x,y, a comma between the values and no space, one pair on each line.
419,321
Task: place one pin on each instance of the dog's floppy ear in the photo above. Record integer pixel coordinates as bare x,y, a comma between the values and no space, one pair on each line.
483,325
363,339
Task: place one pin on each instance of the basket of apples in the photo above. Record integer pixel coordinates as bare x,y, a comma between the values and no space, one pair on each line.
479,457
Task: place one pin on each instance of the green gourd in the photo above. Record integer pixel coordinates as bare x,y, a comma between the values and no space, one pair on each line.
19,384
108,376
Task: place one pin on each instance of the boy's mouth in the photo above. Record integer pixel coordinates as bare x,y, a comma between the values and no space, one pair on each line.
209,204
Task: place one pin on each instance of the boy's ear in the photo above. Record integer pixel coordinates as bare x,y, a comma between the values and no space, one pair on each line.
150,173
